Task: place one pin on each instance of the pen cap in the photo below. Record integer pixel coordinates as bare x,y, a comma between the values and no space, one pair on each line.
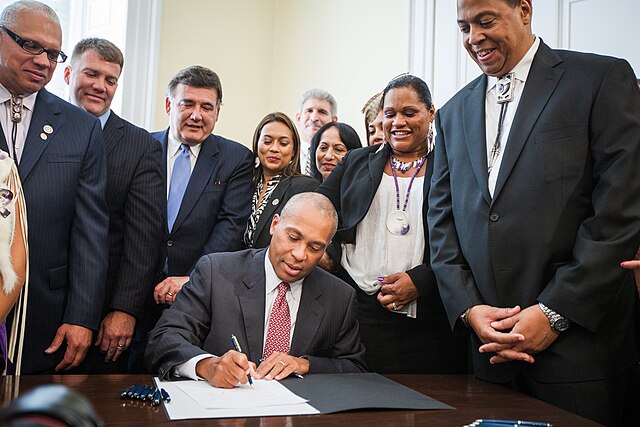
53,401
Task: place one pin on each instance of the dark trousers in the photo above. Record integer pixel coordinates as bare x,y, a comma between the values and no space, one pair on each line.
604,401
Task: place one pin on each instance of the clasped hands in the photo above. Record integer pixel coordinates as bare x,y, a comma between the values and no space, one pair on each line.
397,290
511,333
233,367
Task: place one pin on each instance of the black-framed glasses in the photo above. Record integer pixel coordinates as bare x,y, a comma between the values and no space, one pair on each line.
34,48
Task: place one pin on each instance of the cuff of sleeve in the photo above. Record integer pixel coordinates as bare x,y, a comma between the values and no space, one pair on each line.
188,368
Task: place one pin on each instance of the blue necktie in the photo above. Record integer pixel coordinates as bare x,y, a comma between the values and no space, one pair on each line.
179,180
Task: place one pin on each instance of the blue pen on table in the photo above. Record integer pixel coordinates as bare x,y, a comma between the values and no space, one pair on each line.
165,395
125,393
142,394
236,346
496,423
137,391
156,397
151,392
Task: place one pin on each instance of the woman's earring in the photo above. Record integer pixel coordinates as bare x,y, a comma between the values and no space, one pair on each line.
256,162
430,141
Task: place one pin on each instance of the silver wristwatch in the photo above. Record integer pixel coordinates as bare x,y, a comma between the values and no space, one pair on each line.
463,317
558,323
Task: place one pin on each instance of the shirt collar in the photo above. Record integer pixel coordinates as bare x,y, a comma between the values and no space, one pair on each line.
522,68
28,101
272,281
173,147
103,118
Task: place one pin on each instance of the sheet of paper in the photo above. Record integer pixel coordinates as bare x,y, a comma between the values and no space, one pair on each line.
264,393
183,407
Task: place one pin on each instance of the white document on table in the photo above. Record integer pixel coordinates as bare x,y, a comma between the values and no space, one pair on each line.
198,399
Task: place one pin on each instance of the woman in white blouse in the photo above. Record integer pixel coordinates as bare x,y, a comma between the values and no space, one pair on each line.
380,193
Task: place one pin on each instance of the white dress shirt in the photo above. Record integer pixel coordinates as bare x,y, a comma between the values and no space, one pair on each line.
188,369
492,110
28,103
103,118
173,149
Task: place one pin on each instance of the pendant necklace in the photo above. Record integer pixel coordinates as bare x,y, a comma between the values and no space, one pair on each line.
398,220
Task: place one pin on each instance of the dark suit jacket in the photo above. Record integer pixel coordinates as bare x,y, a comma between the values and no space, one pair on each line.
215,207
226,295
351,188
286,189
64,178
565,211
136,199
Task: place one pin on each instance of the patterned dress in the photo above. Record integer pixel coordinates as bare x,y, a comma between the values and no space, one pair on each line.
257,209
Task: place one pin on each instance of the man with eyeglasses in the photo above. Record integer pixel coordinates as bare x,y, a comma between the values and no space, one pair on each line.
135,198
61,161
208,181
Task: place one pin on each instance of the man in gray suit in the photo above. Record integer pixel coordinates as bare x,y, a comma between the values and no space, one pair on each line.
533,204
235,293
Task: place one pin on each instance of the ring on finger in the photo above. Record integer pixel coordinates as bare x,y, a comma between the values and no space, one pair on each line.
283,364
395,307
121,345
169,294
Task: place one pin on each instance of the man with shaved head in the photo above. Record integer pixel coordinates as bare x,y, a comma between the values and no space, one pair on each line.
61,161
285,311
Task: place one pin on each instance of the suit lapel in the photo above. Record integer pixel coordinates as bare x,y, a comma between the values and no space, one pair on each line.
113,132
252,303
312,312
205,165
270,207
377,162
45,112
476,134
425,196
541,83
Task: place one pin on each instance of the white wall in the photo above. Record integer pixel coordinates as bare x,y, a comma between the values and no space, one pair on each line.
598,26
268,52
233,39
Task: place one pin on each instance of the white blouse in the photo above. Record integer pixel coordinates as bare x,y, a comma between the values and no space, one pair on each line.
380,253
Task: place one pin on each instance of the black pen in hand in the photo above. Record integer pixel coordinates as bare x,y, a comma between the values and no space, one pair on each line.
236,346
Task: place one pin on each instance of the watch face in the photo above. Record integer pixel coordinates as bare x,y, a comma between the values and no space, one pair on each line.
561,325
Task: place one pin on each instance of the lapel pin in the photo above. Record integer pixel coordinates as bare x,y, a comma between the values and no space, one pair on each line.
43,136
275,202
48,129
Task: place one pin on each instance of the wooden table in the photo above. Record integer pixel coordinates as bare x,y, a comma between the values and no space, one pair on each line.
472,399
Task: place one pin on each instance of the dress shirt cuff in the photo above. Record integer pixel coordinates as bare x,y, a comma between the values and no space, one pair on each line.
188,368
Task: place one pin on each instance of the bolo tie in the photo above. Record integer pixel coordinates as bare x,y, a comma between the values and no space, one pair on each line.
17,109
504,88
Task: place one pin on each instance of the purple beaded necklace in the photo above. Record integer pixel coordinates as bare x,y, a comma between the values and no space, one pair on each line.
398,220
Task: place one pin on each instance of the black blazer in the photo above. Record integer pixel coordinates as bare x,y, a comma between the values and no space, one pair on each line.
135,197
286,189
226,295
215,207
64,177
351,188
565,211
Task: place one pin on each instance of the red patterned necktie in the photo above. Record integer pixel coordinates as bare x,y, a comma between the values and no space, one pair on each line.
279,329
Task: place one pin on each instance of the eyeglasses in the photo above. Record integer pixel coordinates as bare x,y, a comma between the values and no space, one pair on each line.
34,48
